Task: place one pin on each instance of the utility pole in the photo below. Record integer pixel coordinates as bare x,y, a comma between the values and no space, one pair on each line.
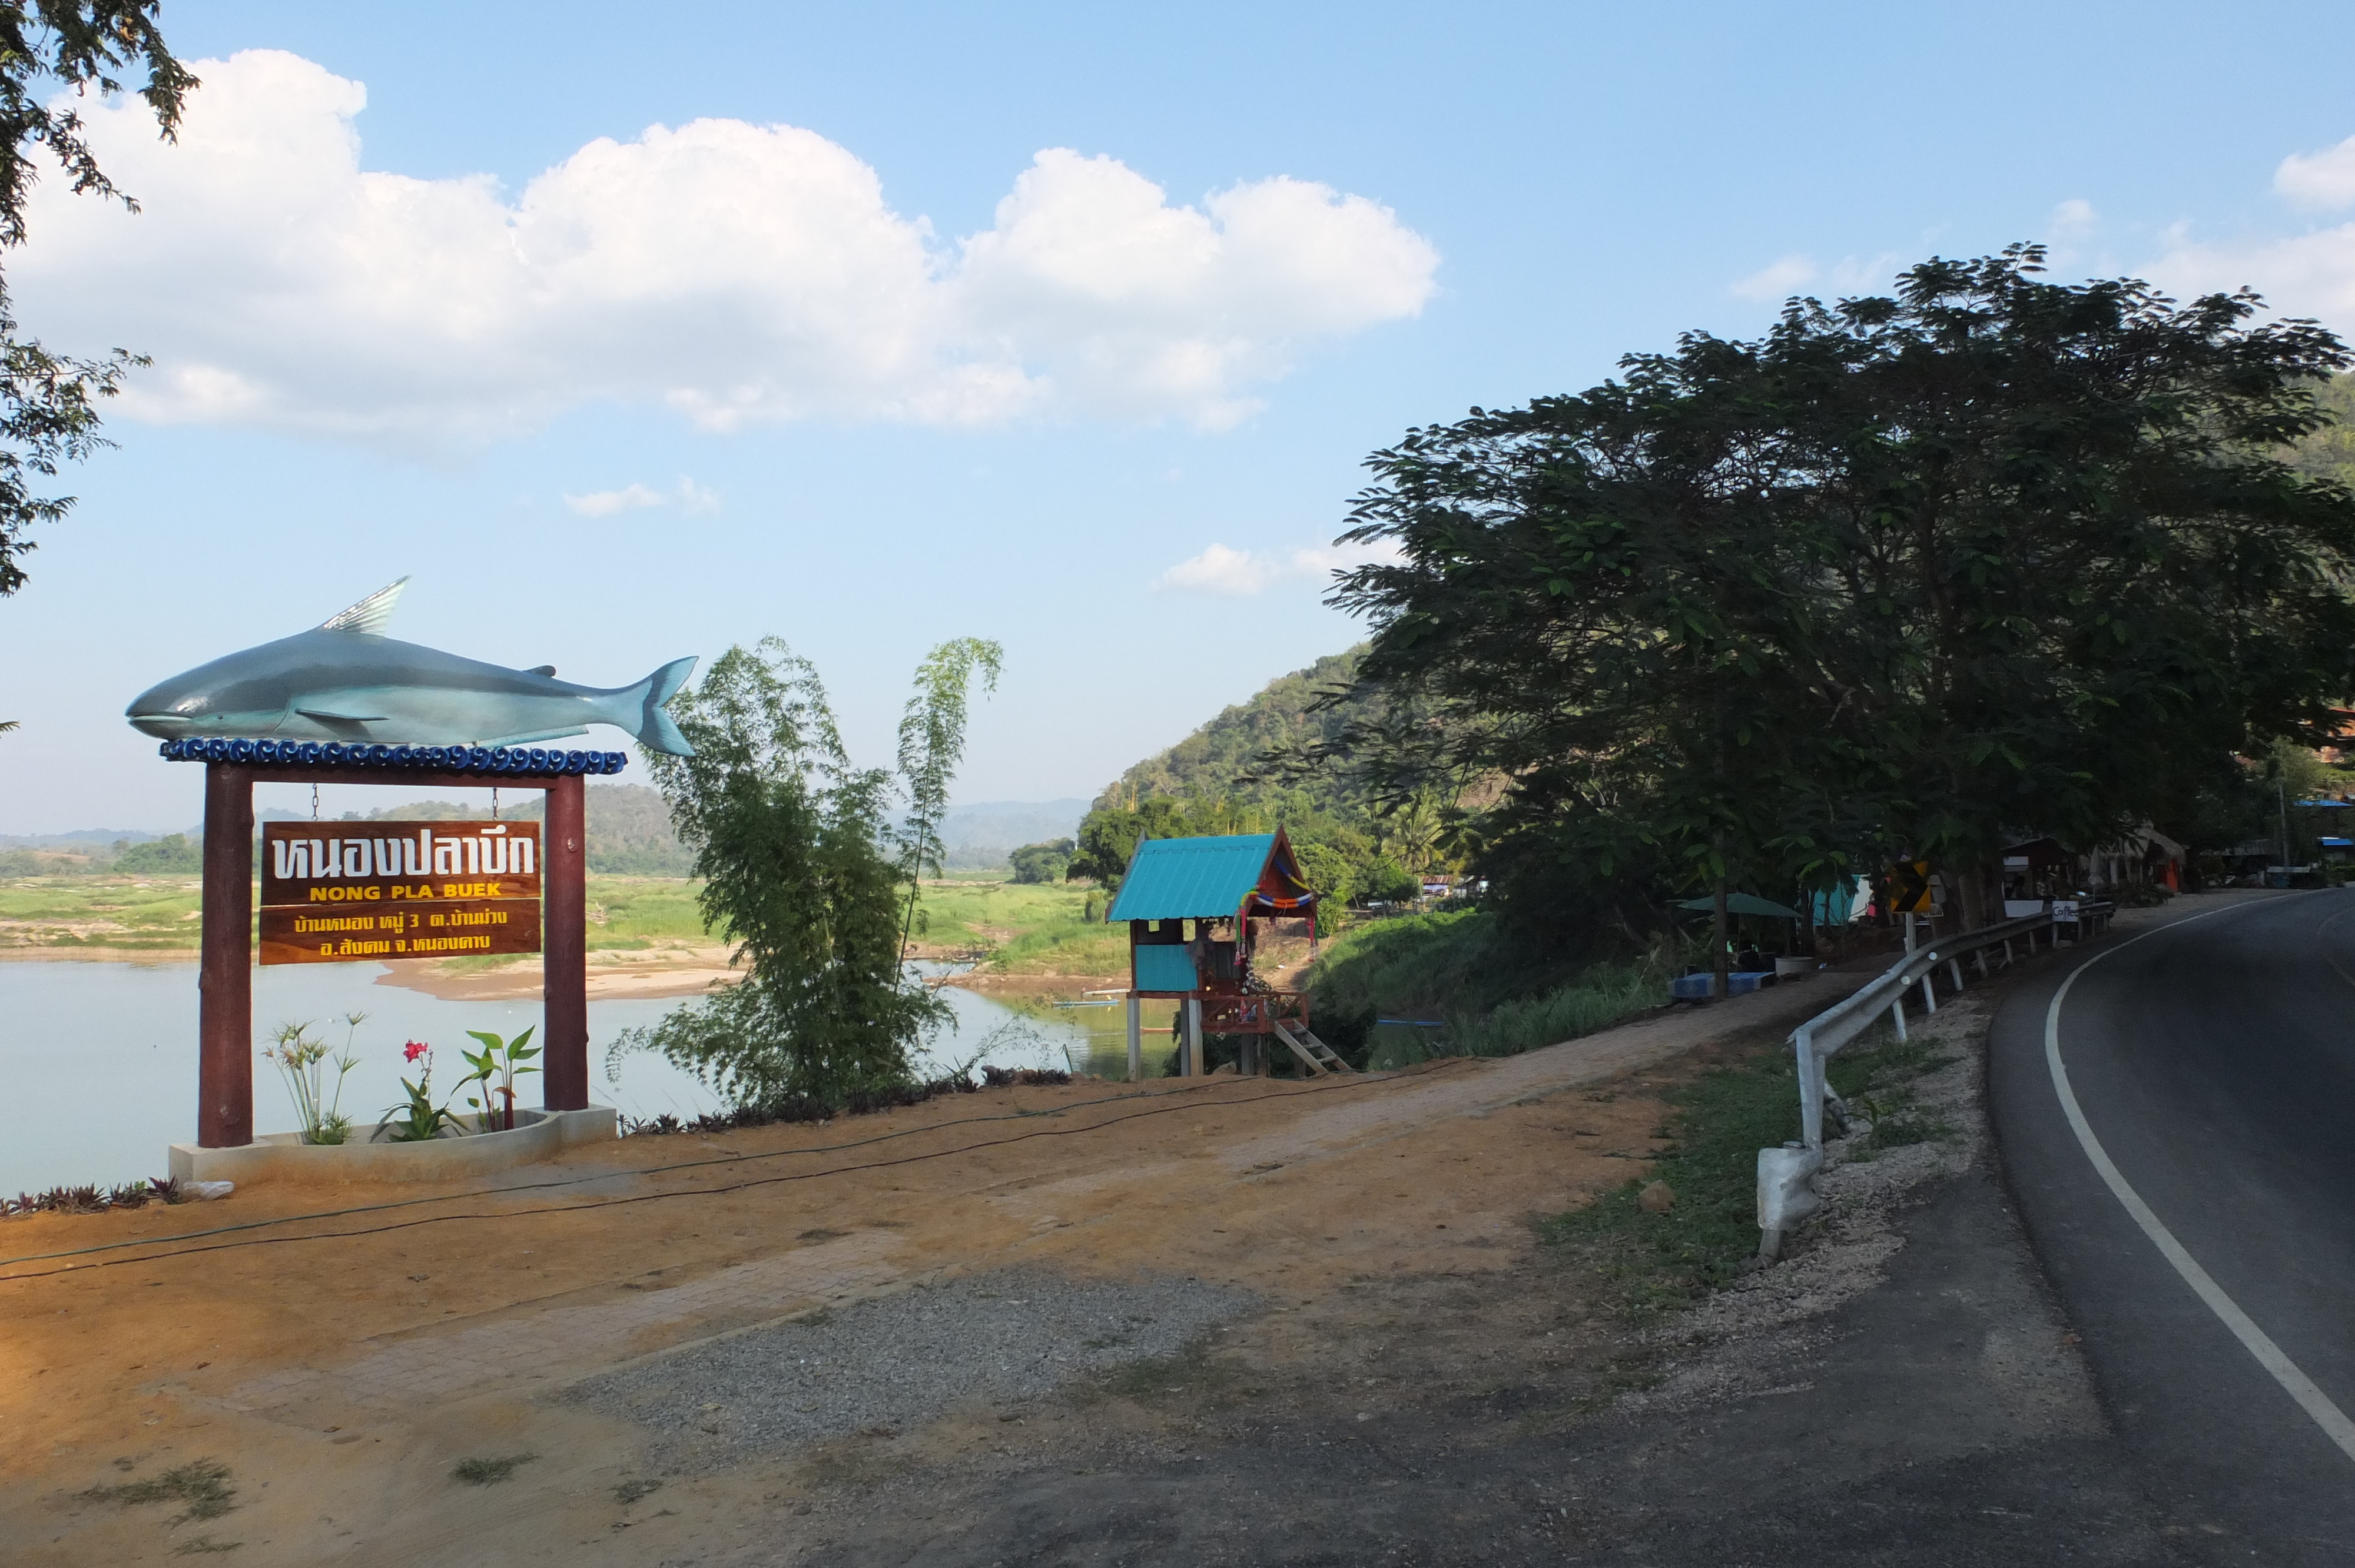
2281,796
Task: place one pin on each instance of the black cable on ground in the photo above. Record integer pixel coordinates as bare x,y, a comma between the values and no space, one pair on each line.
1360,1081
583,1181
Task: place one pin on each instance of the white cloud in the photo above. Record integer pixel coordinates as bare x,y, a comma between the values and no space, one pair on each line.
2307,275
2072,218
1848,275
2319,180
1221,570
689,497
737,272
1778,281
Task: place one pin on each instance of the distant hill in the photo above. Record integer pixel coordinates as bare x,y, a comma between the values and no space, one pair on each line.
81,839
1222,757
988,831
629,833
629,826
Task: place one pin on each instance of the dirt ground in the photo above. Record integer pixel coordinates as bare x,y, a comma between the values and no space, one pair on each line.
1383,1364
340,1358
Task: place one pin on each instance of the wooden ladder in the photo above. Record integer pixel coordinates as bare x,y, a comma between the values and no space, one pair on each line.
1313,1054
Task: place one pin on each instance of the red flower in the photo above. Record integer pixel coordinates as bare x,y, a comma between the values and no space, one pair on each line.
413,1050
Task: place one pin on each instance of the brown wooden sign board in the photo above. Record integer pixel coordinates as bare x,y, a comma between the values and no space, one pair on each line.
340,892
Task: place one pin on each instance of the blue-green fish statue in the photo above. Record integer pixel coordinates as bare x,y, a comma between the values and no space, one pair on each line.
345,680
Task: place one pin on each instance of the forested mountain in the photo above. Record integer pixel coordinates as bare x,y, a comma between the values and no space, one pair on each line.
2330,452
629,826
1227,757
1227,778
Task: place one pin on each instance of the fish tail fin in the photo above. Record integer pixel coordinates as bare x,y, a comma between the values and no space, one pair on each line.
655,729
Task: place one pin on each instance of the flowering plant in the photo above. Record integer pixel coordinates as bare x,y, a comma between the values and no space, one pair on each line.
301,1065
419,1120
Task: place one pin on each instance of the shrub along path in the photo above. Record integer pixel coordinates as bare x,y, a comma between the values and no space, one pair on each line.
1380,1354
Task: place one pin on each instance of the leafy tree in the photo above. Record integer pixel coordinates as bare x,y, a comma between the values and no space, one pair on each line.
176,854
47,402
793,844
1109,836
2327,451
932,741
1905,575
1042,862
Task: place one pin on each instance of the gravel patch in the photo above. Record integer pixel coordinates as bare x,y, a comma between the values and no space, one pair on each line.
987,1340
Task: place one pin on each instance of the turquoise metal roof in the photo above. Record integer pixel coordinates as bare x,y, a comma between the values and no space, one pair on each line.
1191,879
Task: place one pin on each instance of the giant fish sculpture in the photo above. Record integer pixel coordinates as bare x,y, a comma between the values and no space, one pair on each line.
346,680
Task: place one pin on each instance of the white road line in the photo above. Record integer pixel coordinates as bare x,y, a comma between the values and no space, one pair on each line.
2300,1387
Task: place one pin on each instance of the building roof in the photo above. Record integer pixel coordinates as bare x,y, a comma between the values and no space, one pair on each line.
1208,878
1743,904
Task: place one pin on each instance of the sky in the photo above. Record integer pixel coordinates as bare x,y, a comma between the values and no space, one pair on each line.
1071,326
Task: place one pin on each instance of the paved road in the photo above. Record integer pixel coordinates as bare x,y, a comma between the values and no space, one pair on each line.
2212,1059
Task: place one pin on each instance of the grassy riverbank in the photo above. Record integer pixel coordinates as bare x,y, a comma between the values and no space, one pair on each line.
64,915
1019,929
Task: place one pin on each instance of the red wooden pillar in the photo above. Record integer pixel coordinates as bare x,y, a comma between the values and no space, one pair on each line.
224,970
564,973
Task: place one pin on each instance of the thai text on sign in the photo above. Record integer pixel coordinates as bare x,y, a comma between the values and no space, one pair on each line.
341,893
313,863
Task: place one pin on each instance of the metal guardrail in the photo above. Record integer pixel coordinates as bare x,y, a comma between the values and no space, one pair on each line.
1786,1194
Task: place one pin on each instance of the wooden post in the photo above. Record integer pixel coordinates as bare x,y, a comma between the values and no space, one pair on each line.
1719,930
1193,1036
564,975
224,970
1135,1039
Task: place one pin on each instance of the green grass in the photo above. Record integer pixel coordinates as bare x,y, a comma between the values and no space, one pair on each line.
1716,1126
1877,1083
1456,970
1601,997
158,914
1025,930
202,1484
1023,927
151,913
631,913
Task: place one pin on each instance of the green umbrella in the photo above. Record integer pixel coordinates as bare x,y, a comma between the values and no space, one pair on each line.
1743,904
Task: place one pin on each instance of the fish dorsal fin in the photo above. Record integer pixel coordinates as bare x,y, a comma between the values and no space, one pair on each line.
370,616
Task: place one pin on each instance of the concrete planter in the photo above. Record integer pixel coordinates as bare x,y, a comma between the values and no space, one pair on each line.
282,1157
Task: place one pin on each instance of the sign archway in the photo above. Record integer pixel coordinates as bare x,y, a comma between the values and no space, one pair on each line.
225,970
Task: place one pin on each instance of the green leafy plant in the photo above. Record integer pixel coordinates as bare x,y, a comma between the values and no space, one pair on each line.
503,1060
795,846
489,1472
302,1063
418,1120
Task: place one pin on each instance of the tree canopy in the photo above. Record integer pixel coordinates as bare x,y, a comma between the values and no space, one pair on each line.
1904,576
1042,862
47,402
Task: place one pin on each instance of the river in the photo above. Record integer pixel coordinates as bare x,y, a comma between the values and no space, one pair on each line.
99,1059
